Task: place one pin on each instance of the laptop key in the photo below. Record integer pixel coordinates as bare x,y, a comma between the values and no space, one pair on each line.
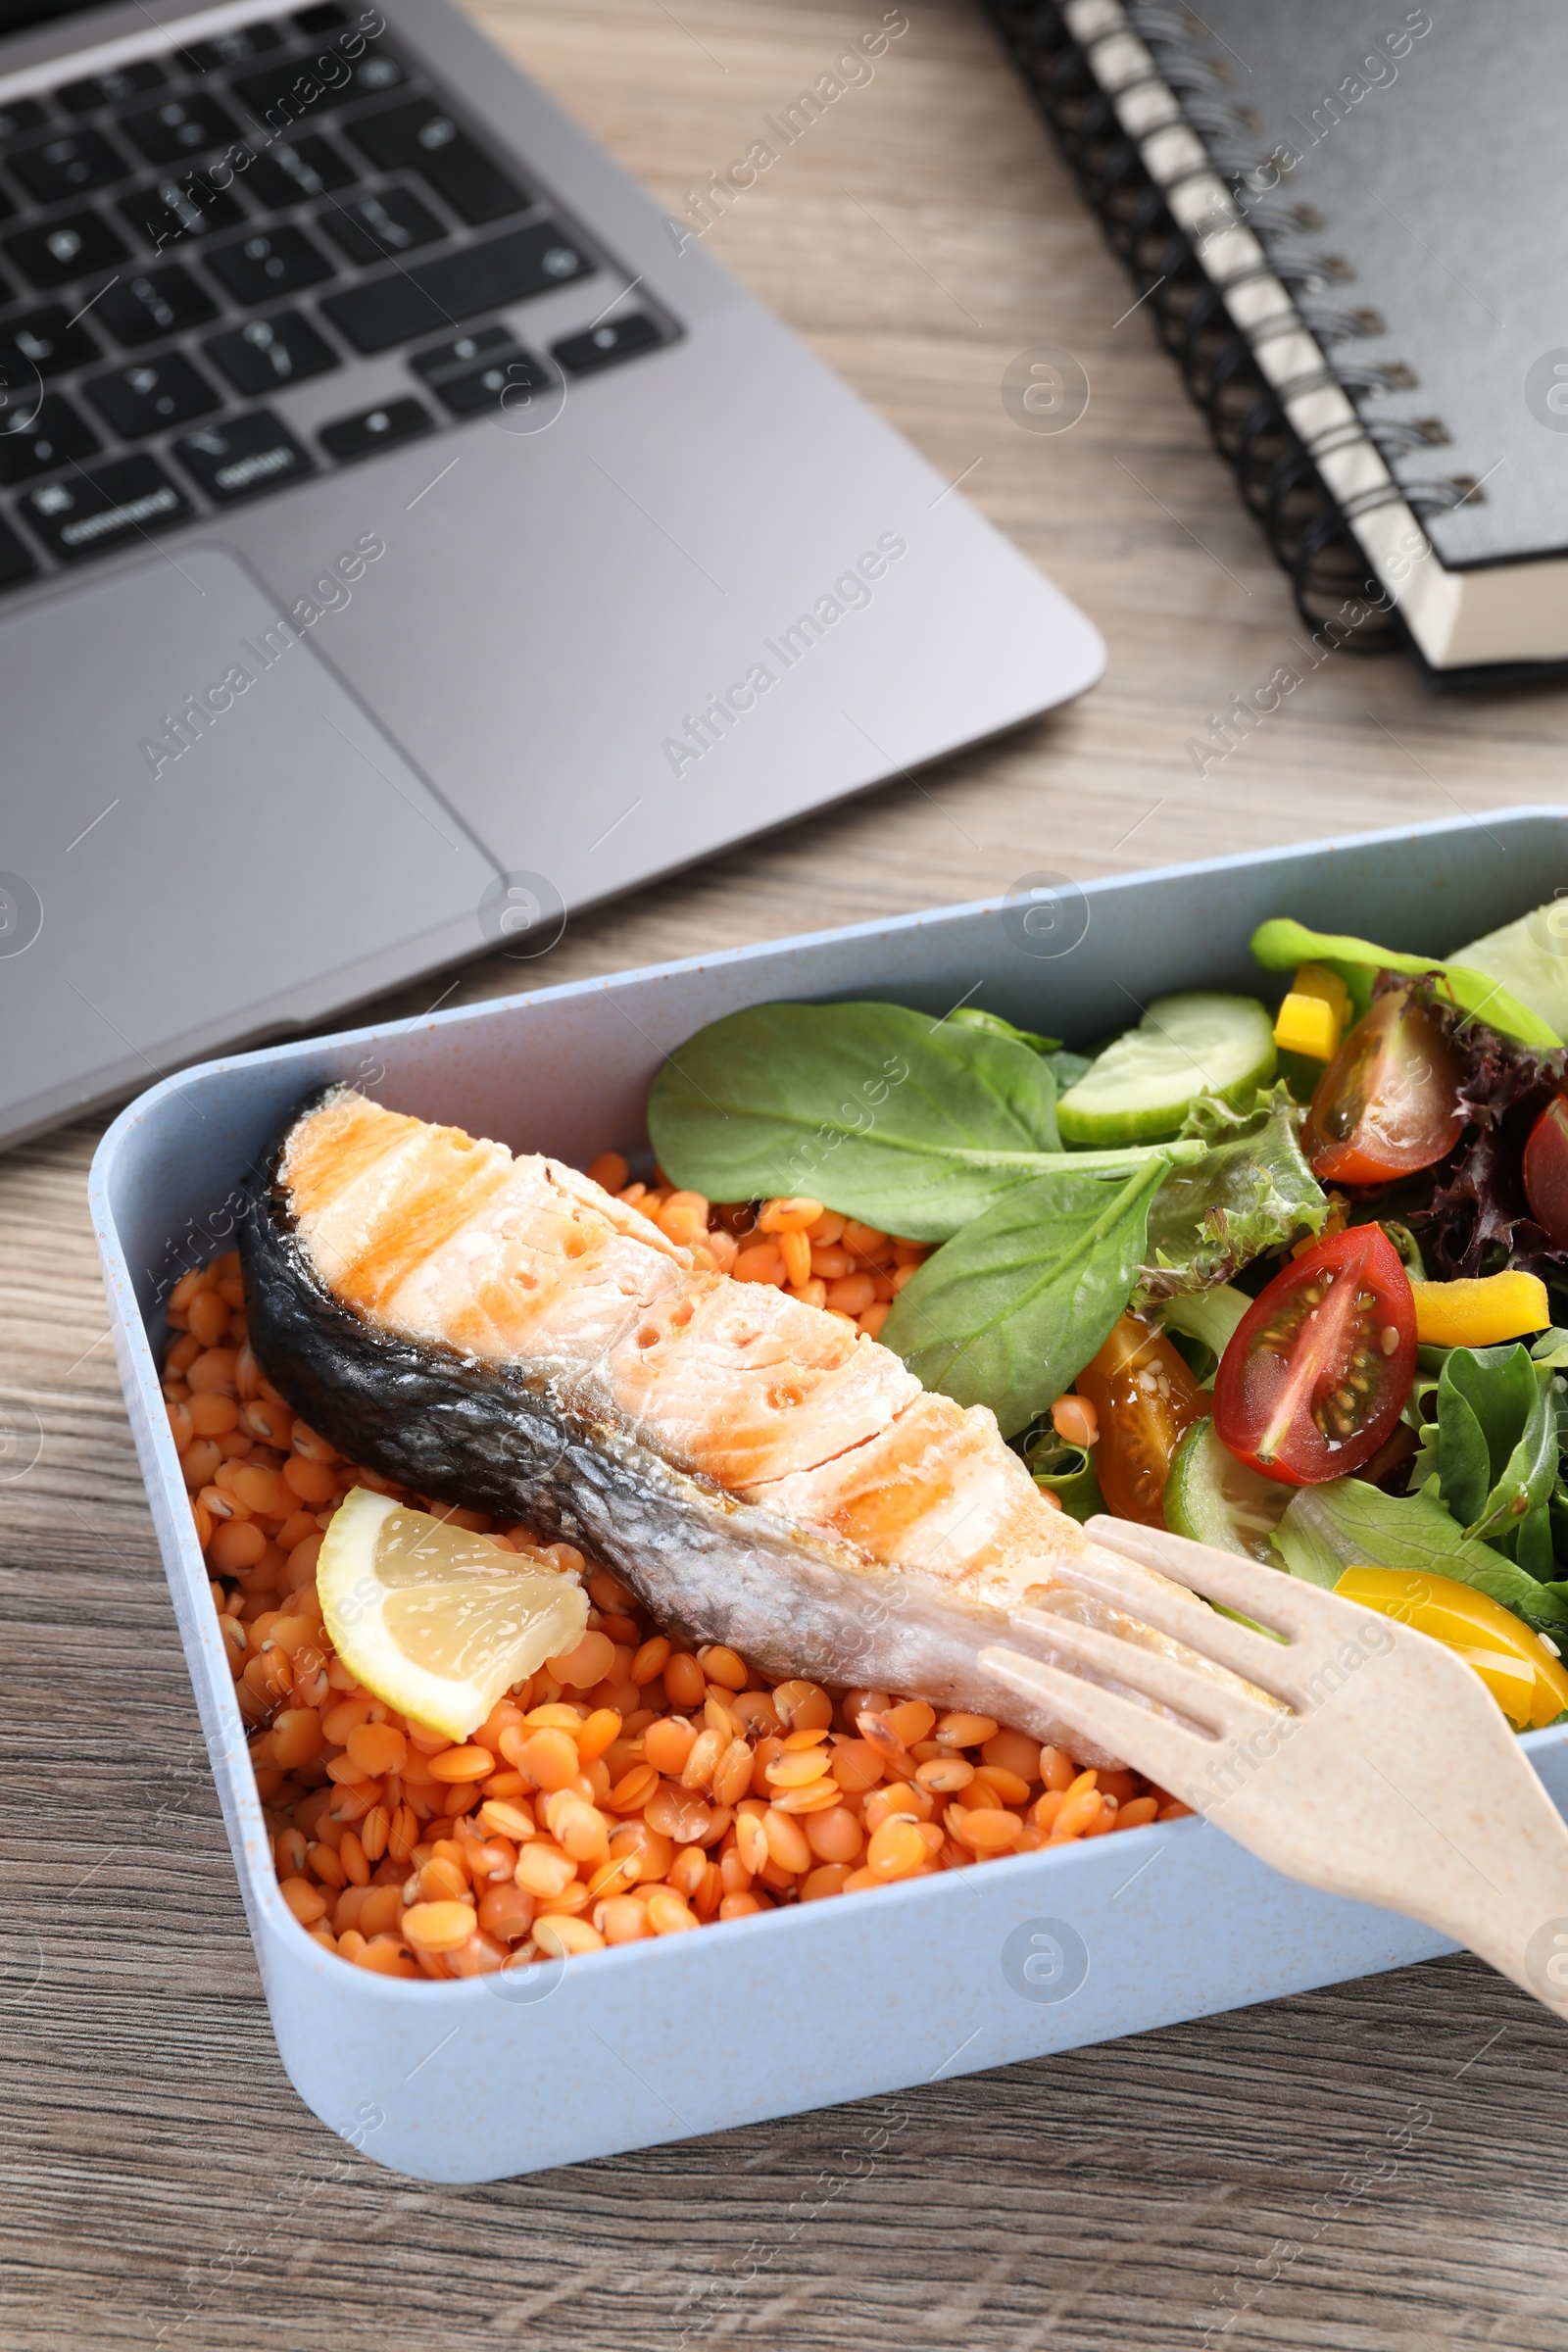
602,346
113,87
294,171
40,434
152,304
115,505
419,137
376,429
48,340
79,160
185,207
378,227
19,115
425,296
16,564
289,93
180,127
502,384
266,352
274,261
152,394
236,48
74,247
463,352
244,456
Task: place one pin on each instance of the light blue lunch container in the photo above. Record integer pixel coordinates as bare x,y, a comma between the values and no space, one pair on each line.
841,1999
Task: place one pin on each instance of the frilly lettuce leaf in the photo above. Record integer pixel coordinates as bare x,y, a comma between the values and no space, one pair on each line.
1251,1191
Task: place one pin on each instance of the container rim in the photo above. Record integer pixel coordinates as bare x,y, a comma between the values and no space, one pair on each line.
722,958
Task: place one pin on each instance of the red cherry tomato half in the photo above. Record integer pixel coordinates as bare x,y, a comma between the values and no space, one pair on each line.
1545,1170
1320,1365
1389,1102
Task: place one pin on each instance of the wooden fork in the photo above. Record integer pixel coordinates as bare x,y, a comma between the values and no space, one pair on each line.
1367,1758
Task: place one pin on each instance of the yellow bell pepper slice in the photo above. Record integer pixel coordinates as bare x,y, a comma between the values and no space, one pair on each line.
1500,1646
1480,1313
1511,1681
1315,1015
1316,980
1307,1025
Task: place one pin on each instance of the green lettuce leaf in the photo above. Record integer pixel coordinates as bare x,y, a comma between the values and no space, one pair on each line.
1498,1449
1281,945
1251,1191
1349,1523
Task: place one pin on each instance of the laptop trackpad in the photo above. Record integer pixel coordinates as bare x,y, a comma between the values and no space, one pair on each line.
198,827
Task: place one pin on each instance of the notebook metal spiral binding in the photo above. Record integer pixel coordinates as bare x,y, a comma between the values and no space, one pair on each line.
1308,526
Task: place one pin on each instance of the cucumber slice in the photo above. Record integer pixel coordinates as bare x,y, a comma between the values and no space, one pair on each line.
1211,1498
1142,1088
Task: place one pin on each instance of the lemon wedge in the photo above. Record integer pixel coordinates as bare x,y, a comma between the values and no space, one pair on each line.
436,1622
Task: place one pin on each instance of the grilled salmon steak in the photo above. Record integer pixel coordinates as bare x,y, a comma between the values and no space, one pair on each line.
503,1334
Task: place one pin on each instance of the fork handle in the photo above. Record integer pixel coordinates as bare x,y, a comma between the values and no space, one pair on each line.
1524,1935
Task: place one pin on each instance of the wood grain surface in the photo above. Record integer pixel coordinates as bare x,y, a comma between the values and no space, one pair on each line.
1373,2166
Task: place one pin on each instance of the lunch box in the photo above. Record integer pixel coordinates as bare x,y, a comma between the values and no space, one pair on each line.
862,1994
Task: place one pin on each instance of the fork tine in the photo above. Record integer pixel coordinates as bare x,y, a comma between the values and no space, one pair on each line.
1164,1752
1217,1704
1175,1609
1299,1609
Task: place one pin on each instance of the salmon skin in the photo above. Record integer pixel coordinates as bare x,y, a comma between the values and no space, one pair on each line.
501,1334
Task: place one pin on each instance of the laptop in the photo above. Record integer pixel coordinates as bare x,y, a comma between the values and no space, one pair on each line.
409,536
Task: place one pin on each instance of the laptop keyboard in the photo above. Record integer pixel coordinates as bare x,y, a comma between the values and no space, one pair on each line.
186,237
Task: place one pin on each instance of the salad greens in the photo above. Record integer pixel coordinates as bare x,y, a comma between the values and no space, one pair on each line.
1208,1317
1528,956
1281,945
913,1126
1497,1447
1251,1192
1014,1307
1066,1068
1347,1524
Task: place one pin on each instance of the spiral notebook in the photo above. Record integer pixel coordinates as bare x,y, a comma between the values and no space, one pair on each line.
1343,219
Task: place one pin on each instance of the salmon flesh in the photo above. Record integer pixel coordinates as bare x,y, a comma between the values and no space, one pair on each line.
498,1333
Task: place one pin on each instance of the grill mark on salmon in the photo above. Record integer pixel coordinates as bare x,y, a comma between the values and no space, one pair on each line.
501,1334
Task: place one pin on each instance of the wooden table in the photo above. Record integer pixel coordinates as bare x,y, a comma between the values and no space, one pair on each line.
1374,2166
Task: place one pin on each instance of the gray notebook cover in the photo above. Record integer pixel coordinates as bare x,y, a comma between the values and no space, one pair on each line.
1430,141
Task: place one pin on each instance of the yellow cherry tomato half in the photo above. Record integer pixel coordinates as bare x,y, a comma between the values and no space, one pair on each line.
1529,1684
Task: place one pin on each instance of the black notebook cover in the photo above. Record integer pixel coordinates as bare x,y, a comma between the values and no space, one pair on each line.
1428,143
1397,167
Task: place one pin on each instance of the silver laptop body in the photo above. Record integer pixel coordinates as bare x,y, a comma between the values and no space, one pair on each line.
410,536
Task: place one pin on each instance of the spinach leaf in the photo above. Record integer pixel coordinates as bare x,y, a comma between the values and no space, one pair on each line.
912,1125
975,1016
1251,1191
1066,1068
1349,1523
1281,945
1008,1313
1498,1449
